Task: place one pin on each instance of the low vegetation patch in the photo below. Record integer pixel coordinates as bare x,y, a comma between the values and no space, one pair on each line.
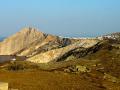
20,65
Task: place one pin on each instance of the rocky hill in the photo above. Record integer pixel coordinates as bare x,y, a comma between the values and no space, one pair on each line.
30,42
20,40
113,37
40,47
56,54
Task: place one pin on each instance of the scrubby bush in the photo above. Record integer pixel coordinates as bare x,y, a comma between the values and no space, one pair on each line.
21,65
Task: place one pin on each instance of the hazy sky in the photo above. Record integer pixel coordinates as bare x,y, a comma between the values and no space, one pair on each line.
61,17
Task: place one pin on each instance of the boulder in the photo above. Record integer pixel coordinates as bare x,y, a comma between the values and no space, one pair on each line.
82,68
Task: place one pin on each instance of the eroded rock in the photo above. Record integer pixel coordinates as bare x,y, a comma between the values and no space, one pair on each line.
56,54
82,68
20,40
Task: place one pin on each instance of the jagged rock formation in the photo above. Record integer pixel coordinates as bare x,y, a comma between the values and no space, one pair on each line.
49,43
29,42
20,40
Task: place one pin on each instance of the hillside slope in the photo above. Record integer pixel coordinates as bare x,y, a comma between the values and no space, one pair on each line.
20,40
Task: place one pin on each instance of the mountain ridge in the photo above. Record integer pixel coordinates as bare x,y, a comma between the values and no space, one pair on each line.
34,45
19,40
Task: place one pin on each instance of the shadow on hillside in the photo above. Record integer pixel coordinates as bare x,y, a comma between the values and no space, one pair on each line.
7,58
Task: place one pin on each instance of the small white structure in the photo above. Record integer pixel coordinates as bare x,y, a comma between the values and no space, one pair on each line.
13,59
3,86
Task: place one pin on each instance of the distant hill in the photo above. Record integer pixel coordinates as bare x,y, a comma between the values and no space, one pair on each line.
113,37
30,41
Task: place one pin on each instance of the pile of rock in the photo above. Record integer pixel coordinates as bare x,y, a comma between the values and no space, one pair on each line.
77,68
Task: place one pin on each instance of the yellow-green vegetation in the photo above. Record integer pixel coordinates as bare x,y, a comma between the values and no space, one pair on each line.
109,57
18,65
24,75
43,80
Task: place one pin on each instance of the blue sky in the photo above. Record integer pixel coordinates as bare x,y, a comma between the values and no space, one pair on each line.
61,17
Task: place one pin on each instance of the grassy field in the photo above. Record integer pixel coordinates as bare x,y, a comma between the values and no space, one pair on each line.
44,80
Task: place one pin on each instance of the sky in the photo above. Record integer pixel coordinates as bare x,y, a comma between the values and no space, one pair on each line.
70,18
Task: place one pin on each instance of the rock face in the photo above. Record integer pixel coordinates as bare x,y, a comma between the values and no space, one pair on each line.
29,42
48,43
20,40
56,54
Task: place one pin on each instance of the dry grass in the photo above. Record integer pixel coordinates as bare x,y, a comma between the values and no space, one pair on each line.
43,80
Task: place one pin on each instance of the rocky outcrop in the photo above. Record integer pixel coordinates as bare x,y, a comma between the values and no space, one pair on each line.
20,40
77,68
56,54
49,43
29,42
